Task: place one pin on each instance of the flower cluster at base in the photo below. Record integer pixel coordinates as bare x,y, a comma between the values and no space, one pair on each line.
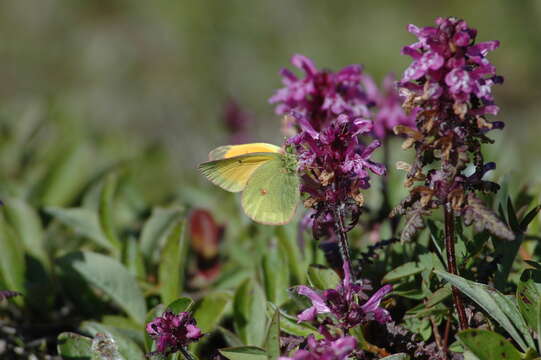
335,312
343,304
448,88
325,349
173,332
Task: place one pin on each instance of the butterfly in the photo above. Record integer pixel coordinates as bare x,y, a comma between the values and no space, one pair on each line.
265,174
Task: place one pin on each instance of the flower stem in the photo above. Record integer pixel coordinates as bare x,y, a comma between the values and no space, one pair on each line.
343,238
451,264
184,351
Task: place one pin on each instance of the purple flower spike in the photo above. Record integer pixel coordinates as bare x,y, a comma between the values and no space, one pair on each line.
173,332
325,349
447,57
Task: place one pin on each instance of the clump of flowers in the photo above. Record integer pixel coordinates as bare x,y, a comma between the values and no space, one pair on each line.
335,312
173,332
345,304
325,349
448,87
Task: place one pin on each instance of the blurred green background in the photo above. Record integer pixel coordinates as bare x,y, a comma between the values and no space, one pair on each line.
162,70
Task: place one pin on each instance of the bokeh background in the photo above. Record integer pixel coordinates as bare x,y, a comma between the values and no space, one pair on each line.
158,73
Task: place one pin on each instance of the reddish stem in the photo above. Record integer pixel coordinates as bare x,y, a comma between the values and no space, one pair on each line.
451,264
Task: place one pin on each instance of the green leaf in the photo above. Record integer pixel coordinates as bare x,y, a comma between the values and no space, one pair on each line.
127,348
529,296
84,222
400,356
172,263
12,262
26,223
289,324
294,257
209,312
438,296
230,337
275,274
112,278
323,277
156,229
65,177
272,343
488,345
404,270
180,305
133,259
106,217
249,313
244,353
493,302
74,346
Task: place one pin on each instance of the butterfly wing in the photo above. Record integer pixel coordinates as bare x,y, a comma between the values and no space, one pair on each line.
272,193
232,174
229,151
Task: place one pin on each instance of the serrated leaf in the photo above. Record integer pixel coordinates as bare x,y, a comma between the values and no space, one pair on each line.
404,270
111,277
72,346
244,353
483,218
155,230
209,311
172,263
84,222
488,345
322,277
485,297
414,223
272,343
249,313
127,349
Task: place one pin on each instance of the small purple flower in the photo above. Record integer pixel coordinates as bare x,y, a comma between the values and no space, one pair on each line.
325,349
320,95
388,104
173,332
344,303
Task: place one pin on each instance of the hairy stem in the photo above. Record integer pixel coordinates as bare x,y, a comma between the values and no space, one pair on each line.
343,238
451,264
184,351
